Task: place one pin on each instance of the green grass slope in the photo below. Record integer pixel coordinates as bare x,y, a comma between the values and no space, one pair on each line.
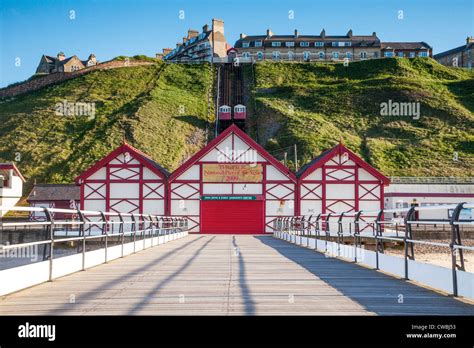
161,109
314,105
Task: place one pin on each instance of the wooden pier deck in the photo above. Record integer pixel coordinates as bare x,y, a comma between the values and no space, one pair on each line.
229,275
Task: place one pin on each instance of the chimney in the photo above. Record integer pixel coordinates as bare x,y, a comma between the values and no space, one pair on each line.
470,39
323,33
269,33
178,45
185,39
296,32
243,36
61,56
374,34
159,56
205,28
166,51
218,25
192,33
349,33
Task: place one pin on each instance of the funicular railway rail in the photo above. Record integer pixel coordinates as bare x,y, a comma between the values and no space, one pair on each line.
230,97
348,233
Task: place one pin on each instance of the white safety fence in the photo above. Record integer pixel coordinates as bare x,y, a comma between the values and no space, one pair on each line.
315,233
65,241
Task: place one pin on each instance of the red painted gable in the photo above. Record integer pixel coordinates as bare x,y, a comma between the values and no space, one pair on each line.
125,147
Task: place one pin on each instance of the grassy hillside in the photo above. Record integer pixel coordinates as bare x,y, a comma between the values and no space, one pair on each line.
314,105
162,109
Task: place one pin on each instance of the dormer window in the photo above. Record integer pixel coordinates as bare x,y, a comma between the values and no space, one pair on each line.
258,43
290,44
276,44
304,44
245,44
319,44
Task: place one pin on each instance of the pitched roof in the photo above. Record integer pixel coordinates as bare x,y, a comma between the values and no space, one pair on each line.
12,166
247,139
454,50
405,45
326,155
312,162
356,40
145,159
54,192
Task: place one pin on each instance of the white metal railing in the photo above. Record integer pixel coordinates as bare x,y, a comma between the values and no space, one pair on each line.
318,226
84,226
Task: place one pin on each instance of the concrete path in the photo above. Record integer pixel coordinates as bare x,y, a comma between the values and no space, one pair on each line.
226,275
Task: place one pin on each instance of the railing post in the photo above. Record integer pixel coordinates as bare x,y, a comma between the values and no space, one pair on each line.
104,231
340,232
409,251
134,226
317,231
50,219
82,233
378,241
152,231
356,233
456,240
142,217
309,231
122,230
327,231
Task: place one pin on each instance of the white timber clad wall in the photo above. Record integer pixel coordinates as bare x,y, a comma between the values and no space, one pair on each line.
124,185
340,185
185,194
279,195
276,189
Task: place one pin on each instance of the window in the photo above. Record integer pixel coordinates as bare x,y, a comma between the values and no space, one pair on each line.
276,55
319,44
335,44
259,55
304,44
347,43
258,43
424,54
289,44
412,54
363,55
306,55
276,44
290,55
400,54
246,55
245,44
388,54
321,55
335,55
349,55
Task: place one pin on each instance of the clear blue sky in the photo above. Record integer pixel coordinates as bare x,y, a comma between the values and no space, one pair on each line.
108,28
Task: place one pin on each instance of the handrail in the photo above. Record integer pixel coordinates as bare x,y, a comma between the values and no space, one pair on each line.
294,225
139,224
